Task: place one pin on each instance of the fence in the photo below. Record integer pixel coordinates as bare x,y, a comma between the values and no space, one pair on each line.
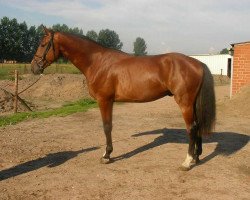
7,70
15,96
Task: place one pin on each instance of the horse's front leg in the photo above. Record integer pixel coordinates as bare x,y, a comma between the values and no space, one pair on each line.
106,108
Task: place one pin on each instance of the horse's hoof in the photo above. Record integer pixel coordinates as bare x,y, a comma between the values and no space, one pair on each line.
105,160
184,168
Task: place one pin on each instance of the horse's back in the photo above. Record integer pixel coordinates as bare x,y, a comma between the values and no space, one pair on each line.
151,77
140,79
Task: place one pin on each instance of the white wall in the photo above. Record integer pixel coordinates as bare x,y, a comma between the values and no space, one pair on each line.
215,62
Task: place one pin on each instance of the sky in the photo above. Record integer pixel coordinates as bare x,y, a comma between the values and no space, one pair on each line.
185,26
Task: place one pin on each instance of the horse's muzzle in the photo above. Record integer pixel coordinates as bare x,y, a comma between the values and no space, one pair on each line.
35,68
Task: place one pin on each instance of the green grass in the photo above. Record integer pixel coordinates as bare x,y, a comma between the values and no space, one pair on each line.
7,70
67,109
4,74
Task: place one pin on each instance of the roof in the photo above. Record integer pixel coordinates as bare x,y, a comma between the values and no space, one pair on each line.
209,55
239,43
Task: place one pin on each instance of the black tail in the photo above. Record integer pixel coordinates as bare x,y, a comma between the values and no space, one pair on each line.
205,109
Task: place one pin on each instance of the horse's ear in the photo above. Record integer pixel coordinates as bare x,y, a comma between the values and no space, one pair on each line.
46,31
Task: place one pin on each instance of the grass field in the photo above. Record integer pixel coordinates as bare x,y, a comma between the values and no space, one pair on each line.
7,70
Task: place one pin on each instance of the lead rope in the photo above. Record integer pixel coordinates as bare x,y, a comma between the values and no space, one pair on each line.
41,75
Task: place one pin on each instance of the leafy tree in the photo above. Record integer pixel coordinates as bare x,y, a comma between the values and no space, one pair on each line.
17,41
31,42
64,28
224,51
36,35
39,33
76,30
92,35
140,47
10,41
110,39
60,28
23,42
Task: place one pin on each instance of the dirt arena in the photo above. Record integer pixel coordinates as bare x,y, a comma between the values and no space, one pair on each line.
58,157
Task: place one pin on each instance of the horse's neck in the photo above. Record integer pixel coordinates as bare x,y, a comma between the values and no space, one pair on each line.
78,51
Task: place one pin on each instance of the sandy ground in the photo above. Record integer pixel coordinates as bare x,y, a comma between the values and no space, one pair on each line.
51,90
58,157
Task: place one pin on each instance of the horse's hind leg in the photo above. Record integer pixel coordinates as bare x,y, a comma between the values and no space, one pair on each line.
106,107
191,131
188,115
198,148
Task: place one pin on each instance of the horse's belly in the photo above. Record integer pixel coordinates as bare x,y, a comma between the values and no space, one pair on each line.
140,94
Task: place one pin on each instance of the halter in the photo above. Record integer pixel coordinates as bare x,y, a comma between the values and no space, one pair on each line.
43,62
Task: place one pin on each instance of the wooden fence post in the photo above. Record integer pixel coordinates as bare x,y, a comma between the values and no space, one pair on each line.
16,91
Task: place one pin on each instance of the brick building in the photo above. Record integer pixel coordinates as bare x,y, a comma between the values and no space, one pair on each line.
241,66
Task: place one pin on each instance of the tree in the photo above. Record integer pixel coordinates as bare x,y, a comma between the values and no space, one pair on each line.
19,42
10,39
110,39
224,51
25,42
140,47
64,28
92,35
60,28
76,30
31,42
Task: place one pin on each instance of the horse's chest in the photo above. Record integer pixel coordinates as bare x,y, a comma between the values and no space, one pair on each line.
100,89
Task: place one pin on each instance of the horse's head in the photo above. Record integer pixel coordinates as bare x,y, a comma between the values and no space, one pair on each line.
45,54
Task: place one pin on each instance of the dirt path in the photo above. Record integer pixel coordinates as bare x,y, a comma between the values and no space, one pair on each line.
58,158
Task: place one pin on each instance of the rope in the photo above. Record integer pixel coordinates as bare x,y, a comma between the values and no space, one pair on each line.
22,90
31,84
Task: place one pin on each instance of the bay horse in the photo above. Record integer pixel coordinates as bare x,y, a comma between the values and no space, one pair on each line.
115,76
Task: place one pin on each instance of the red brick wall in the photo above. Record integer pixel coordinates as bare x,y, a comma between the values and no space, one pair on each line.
241,67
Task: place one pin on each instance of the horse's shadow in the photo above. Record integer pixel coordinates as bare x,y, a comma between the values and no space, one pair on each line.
227,142
50,160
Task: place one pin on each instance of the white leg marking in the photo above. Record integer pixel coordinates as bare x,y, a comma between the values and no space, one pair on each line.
187,162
